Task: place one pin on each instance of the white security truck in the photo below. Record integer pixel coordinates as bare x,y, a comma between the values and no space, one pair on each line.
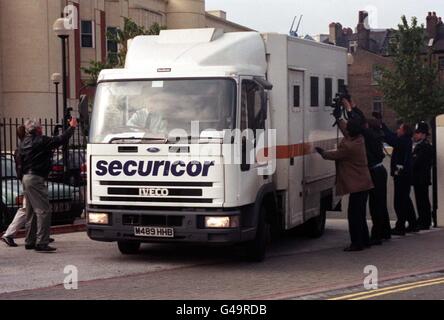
148,184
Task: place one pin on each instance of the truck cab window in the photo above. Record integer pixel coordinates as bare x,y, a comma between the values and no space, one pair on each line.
252,106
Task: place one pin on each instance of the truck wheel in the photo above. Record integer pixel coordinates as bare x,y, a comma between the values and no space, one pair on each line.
255,250
127,247
315,227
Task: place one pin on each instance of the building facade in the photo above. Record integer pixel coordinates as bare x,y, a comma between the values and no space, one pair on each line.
30,52
370,48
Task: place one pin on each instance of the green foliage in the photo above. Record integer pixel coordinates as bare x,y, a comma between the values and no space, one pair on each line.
93,71
130,31
121,37
411,87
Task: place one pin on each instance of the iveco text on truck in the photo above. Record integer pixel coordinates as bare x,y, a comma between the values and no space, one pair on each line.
147,184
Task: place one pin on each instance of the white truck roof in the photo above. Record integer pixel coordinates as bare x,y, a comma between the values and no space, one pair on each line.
192,52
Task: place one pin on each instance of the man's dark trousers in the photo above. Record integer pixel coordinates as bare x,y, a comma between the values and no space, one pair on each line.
403,203
423,205
378,204
357,220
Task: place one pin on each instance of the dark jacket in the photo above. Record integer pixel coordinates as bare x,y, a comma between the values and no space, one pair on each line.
402,152
422,163
36,152
373,140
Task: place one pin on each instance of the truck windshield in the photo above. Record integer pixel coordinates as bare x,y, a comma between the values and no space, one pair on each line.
145,110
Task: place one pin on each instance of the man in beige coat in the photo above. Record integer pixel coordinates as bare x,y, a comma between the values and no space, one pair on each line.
352,177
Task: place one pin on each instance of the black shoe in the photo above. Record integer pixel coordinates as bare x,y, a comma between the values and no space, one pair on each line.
51,240
421,227
353,248
387,237
412,230
9,241
397,232
44,248
30,246
375,242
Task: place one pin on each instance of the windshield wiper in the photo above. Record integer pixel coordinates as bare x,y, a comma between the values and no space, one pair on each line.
164,140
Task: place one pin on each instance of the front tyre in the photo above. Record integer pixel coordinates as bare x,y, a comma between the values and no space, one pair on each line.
255,250
127,247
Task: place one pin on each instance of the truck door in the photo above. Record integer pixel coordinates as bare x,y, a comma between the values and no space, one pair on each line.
296,104
252,116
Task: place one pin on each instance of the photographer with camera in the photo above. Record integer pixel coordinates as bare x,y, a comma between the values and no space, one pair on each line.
373,136
352,175
401,168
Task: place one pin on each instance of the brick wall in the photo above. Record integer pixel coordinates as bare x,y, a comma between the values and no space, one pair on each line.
362,87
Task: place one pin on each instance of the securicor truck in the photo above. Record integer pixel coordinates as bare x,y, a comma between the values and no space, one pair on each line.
144,186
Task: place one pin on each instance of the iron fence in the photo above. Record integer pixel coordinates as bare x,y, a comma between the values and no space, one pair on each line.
66,182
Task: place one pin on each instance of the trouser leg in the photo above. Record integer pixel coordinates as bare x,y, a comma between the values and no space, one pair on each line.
37,197
398,203
18,223
423,205
358,228
31,219
378,205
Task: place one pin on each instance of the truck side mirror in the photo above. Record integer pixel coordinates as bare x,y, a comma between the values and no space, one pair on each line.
84,114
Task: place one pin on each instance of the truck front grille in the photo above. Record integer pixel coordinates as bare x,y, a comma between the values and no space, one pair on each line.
152,220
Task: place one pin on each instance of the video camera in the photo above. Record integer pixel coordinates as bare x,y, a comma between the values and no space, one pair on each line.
338,107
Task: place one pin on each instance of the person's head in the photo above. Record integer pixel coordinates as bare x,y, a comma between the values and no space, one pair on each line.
404,130
21,132
421,131
33,127
347,101
354,128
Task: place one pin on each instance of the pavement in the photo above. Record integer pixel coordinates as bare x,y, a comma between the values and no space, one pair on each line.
295,268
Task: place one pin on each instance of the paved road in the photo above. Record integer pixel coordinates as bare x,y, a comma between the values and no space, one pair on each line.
295,267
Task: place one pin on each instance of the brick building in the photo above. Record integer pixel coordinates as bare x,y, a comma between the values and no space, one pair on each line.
369,49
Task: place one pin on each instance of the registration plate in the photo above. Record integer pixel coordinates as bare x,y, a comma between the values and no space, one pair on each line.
154,232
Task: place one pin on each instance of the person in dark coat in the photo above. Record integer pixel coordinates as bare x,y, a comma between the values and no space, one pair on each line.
35,154
371,130
401,169
422,167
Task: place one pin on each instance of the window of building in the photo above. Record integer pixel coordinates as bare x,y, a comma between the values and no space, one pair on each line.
328,91
314,91
253,97
341,85
296,96
87,34
441,63
111,45
378,105
376,75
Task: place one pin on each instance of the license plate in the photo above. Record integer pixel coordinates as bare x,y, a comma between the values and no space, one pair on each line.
154,232
61,207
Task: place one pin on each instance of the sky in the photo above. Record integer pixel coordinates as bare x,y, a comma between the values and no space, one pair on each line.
277,15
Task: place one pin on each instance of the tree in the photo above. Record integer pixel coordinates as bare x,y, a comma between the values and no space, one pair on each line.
411,86
121,37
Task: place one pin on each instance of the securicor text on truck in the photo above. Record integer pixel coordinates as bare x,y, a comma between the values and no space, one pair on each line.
160,168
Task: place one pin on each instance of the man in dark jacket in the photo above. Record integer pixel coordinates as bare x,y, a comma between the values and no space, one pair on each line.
401,169
422,167
375,156
36,152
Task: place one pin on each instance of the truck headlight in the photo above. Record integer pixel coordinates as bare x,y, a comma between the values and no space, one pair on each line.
98,218
222,222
